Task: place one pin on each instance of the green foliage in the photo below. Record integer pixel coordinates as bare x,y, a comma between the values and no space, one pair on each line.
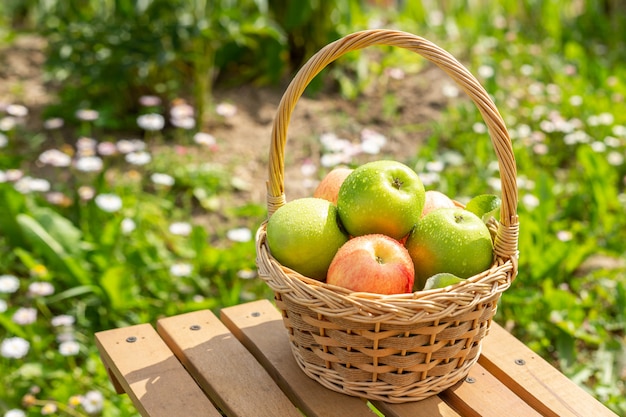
158,47
309,26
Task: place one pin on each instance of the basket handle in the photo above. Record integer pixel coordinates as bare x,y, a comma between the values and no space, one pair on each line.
505,245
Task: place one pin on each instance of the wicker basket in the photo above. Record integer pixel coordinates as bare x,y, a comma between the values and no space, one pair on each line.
394,348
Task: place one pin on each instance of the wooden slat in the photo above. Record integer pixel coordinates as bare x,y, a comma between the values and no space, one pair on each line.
150,374
534,379
432,406
223,367
258,325
486,396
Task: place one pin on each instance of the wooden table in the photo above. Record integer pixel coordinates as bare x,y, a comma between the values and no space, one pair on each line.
240,364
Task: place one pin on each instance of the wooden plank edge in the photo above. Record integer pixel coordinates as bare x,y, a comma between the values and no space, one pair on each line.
428,407
482,394
145,369
535,380
121,385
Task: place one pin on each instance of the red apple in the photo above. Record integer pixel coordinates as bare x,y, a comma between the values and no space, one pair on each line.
328,188
436,199
373,263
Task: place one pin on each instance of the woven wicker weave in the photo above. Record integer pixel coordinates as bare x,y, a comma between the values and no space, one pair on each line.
394,348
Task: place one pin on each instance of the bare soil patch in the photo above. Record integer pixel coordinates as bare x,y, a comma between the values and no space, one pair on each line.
21,74
245,138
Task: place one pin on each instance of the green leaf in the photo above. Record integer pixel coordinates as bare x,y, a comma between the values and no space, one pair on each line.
61,229
198,240
114,281
485,206
11,204
26,258
73,292
40,239
441,280
11,327
49,248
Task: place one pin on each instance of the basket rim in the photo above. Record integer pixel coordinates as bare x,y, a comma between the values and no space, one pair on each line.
405,308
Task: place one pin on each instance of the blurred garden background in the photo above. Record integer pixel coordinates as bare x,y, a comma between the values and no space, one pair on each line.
133,146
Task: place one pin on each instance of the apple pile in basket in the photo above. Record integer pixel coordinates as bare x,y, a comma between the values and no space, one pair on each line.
375,229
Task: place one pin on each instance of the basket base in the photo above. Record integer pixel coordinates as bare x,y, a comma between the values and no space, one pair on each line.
380,390
382,360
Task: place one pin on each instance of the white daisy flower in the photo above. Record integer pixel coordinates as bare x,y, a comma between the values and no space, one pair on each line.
226,109
162,179
53,123
181,269
9,284
151,122
41,289
205,139
63,320
108,202
240,234
180,228
55,157
17,110
87,115
128,225
15,412
530,201
69,348
89,164
92,402
14,348
138,158
24,316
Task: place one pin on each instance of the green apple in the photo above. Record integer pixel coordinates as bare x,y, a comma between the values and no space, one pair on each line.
451,240
385,197
304,235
